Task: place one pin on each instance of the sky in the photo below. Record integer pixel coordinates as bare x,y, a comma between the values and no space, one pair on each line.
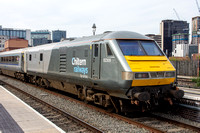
78,16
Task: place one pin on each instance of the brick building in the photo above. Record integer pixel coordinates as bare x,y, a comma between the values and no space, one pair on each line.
17,43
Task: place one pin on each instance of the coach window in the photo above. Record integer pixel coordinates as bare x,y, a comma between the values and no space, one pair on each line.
12,58
109,52
9,58
30,57
41,57
17,58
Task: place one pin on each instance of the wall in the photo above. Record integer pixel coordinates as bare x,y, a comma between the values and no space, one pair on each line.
185,67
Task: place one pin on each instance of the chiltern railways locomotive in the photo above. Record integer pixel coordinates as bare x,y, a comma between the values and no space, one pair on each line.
121,70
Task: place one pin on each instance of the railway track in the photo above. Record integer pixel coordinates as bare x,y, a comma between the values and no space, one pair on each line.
64,120
149,122
185,82
189,109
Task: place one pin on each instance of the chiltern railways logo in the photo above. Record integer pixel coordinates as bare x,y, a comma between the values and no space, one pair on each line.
77,63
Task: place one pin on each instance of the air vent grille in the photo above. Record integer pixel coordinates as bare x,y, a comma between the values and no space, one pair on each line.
63,62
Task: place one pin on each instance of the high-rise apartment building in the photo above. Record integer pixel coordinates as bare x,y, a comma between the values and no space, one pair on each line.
16,33
167,29
195,30
58,35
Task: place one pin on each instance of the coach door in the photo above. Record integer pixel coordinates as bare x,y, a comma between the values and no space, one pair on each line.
96,61
22,61
41,61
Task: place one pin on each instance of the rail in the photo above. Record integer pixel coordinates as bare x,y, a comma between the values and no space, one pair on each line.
73,118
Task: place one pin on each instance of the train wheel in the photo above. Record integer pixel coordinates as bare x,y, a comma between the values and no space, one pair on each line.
80,94
115,104
110,109
40,82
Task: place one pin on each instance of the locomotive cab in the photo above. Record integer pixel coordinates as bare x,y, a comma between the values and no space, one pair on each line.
152,74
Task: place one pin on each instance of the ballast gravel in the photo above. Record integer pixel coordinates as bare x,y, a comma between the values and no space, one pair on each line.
104,122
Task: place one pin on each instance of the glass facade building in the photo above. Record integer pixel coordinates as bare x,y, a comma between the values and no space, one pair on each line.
58,35
15,33
40,37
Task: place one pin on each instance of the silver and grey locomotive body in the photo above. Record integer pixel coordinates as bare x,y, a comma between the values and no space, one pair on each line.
115,69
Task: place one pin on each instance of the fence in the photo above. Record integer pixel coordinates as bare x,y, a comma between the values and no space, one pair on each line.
186,68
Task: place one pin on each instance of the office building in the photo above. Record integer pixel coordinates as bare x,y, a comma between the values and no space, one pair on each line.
195,30
16,33
183,50
167,29
58,35
40,37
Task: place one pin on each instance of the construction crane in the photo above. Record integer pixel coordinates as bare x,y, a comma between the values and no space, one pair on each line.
176,14
198,6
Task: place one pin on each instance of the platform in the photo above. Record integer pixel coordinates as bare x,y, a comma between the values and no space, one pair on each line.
17,117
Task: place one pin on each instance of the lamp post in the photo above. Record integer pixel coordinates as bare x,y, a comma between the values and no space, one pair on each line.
94,28
198,33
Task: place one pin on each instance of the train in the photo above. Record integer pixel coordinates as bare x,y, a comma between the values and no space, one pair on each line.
122,71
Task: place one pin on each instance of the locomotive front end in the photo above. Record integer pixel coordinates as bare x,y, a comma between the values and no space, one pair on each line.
152,74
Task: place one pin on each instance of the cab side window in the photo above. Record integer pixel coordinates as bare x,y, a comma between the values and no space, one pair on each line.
108,49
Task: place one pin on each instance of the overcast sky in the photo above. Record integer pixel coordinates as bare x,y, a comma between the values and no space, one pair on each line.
78,16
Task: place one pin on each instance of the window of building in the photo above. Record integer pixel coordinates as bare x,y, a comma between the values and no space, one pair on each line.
41,57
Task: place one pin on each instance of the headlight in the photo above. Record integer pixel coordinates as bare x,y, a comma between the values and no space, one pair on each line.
160,74
127,76
141,75
170,74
